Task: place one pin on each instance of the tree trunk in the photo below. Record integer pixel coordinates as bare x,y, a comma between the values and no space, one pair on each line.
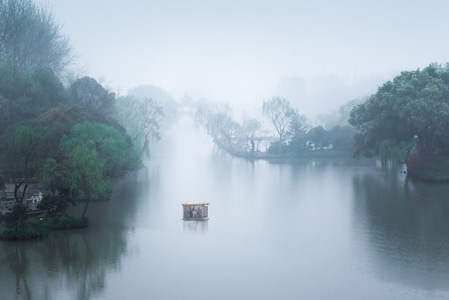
87,194
85,207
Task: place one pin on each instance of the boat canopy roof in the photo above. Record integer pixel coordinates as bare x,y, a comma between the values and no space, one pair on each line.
195,203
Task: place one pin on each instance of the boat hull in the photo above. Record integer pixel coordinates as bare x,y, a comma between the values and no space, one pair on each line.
195,219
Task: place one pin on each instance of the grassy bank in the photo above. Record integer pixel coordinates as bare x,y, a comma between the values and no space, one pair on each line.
39,228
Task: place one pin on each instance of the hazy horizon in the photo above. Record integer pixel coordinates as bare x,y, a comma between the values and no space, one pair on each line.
244,52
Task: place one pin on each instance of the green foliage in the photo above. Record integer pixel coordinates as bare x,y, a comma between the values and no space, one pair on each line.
112,147
337,138
319,137
57,203
85,168
91,96
93,153
142,118
29,231
244,139
16,218
414,106
67,222
23,151
84,177
390,150
22,162
26,95
48,90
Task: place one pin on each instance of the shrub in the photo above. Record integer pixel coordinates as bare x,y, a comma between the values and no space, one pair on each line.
68,222
31,230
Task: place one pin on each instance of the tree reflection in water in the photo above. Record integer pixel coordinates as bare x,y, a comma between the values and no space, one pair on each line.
68,261
17,261
406,226
74,263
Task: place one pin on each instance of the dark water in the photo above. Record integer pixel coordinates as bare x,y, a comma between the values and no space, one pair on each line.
310,229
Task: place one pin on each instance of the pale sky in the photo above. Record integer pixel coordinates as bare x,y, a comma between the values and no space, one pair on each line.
241,51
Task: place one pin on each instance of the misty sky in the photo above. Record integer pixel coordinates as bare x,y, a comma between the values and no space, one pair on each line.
241,51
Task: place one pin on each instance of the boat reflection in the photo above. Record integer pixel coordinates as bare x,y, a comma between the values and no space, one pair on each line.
196,226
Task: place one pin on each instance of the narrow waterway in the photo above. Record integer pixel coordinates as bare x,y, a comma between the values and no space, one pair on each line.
309,229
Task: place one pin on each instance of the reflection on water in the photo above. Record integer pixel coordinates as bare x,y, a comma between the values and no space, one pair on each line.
407,224
72,264
303,229
63,264
195,226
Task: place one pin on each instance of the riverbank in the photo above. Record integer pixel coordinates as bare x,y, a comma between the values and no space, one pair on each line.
285,155
433,168
39,228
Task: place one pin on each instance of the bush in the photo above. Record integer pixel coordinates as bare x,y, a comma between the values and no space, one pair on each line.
67,222
428,168
32,230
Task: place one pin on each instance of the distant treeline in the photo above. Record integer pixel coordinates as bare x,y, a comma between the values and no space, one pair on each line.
280,131
405,121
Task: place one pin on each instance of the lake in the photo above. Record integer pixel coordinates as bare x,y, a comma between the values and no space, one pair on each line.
307,229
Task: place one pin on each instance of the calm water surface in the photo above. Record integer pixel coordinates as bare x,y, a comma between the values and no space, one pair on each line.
310,229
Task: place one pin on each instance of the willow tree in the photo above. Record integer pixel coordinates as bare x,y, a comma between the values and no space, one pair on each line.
84,176
218,122
288,123
142,119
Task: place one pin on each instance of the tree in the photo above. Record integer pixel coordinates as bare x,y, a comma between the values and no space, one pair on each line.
53,176
412,107
90,157
251,133
161,97
30,37
219,124
24,95
286,120
297,127
342,137
142,118
318,137
112,147
93,97
23,157
21,161
278,111
84,176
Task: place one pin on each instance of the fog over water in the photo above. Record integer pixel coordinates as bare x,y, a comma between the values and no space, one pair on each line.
317,228
318,54
308,229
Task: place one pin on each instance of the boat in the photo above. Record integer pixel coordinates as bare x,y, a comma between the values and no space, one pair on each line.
195,211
